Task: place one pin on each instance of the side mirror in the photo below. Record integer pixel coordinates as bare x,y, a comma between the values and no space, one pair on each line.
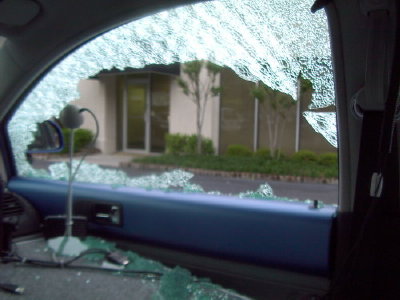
48,138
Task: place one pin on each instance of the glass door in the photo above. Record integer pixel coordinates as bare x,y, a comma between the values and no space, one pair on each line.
136,116
160,93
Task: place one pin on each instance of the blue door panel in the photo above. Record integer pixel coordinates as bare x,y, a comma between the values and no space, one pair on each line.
272,233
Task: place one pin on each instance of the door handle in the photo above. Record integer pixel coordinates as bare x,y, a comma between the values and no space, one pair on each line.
108,214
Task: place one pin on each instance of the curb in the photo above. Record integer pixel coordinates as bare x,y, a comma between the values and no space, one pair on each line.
244,175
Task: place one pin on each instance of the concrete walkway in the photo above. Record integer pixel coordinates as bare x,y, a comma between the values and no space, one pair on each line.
110,160
105,160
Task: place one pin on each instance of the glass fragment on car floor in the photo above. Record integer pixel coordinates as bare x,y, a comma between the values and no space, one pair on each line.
173,283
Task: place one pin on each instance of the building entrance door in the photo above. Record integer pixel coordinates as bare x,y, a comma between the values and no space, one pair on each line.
145,112
136,116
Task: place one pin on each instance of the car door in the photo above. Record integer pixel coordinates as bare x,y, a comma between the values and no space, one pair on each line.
244,243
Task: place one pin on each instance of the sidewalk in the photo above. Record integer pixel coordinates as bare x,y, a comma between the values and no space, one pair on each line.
105,160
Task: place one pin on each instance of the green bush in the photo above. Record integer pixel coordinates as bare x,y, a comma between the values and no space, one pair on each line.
174,143
328,159
263,153
182,144
238,150
305,155
191,145
82,138
207,147
280,155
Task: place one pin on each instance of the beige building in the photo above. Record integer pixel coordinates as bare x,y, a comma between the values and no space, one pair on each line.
137,108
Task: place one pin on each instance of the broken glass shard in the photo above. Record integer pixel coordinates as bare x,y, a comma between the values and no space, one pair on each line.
174,283
263,192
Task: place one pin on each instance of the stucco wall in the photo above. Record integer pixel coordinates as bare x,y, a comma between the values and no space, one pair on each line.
99,95
182,117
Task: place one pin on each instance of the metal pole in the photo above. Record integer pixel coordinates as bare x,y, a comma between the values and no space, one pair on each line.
298,115
125,114
147,134
256,118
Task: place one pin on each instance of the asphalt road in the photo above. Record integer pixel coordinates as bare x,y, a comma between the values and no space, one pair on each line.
328,193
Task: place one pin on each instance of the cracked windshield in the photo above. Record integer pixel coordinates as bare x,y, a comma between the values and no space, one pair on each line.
222,97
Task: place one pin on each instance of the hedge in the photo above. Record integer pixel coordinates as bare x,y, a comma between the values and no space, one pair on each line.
183,144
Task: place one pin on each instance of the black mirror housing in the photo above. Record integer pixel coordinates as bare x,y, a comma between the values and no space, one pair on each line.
48,138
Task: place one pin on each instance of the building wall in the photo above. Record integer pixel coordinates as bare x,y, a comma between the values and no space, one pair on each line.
110,128
309,139
182,117
229,118
238,116
99,95
287,128
237,111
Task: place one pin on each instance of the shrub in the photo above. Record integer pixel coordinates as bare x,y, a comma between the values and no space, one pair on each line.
182,144
82,138
328,159
280,155
238,150
207,147
191,145
263,153
305,155
174,143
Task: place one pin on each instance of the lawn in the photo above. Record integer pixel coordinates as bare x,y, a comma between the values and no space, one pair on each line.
284,166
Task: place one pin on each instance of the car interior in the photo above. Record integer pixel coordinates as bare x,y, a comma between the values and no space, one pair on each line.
251,249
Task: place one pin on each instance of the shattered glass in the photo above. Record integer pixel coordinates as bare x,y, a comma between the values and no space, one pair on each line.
177,180
271,41
174,283
263,192
324,123
85,262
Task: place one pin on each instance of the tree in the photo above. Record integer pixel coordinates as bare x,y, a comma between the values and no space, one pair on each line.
276,107
200,90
